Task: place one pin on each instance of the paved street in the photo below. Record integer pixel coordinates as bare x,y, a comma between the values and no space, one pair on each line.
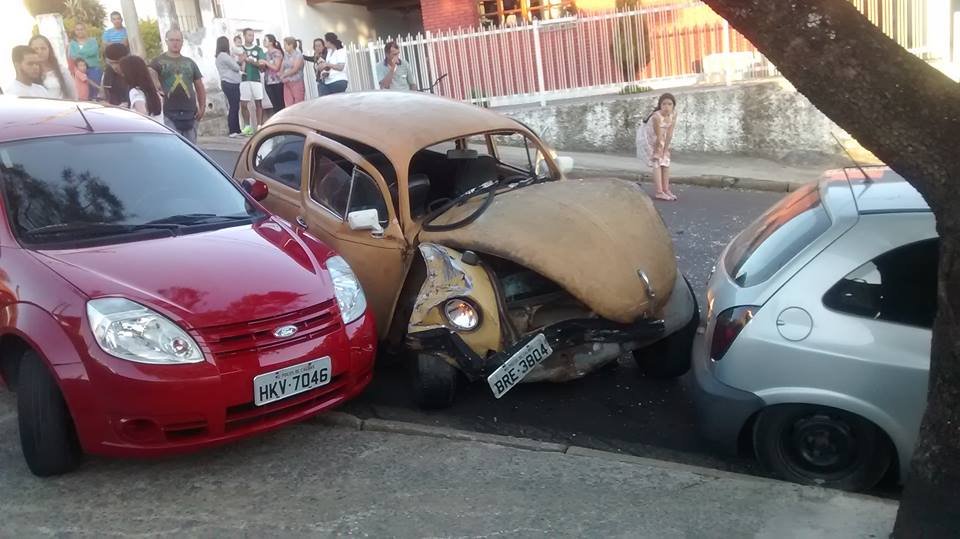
315,480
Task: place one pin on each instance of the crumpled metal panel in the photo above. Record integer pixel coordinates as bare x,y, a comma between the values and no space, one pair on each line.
446,278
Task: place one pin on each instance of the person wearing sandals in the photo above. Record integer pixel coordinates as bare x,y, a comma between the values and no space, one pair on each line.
653,143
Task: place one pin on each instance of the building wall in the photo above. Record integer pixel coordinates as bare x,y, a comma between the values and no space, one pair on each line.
446,14
16,26
394,23
770,120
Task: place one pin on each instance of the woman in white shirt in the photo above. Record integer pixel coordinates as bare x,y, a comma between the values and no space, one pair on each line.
334,67
144,97
57,81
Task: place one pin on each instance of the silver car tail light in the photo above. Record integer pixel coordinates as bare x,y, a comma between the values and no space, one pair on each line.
727,327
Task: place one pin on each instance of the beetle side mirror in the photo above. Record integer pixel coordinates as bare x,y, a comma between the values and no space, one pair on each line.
565,163
365,220
543,169
255,188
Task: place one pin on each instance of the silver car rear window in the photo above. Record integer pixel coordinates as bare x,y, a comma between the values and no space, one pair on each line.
777,236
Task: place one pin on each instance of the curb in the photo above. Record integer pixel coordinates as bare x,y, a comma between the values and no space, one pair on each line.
710,181
350,421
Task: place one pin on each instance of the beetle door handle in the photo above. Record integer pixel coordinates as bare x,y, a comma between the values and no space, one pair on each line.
302,222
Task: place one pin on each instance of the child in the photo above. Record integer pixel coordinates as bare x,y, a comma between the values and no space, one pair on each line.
82,82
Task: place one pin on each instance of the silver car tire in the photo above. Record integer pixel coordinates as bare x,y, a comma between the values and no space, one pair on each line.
819,445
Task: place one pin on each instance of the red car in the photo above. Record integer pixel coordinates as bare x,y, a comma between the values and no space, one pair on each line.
150,305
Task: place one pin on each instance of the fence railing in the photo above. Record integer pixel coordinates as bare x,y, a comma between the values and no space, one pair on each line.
675,45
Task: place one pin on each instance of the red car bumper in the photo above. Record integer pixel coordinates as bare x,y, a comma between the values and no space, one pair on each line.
125,409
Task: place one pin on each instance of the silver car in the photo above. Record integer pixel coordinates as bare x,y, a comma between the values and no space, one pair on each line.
815,347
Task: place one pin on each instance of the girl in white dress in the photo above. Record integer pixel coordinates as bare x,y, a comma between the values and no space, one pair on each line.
653,143
144,97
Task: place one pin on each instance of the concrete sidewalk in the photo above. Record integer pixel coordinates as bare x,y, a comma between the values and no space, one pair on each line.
723,171
338,476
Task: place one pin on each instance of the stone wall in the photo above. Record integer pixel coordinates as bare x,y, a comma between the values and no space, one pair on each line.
765,119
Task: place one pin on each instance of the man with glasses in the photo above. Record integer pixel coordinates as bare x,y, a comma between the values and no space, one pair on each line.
181,84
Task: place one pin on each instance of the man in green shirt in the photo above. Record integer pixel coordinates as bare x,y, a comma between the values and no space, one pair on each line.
250,86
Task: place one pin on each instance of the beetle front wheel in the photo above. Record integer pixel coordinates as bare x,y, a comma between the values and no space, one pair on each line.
434,381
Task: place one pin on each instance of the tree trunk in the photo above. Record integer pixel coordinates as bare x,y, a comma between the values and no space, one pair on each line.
129,9
908,114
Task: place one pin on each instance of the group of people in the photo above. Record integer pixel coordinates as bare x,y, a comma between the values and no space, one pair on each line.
82,79
170,89
248,72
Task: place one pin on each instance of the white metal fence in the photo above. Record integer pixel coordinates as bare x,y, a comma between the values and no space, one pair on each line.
675,45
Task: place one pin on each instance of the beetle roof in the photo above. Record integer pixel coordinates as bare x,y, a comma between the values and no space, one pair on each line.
398,124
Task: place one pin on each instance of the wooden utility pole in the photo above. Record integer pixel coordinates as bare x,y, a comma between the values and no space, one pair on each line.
132,21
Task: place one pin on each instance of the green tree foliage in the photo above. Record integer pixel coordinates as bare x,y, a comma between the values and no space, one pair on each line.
90,12
150,34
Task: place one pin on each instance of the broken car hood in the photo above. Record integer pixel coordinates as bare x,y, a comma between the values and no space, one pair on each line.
591,237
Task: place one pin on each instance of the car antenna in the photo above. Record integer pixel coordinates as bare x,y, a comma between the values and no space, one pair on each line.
866,178
85,120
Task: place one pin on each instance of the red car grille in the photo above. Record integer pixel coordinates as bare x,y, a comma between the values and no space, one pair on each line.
257,335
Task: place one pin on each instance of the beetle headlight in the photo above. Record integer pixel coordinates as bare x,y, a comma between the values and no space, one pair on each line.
461,314
128,330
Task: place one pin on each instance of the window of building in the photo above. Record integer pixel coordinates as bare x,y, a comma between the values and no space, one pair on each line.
512,12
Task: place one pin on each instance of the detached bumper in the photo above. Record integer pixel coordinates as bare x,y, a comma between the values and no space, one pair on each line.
565,335
722,411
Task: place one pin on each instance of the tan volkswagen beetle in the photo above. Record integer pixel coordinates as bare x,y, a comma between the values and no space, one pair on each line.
474,251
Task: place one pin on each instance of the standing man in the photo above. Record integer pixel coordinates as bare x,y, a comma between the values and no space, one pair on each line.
393,73
27,65
116,34
250,86
181,84
113,83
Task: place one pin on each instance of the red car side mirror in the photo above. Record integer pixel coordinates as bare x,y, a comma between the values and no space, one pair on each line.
255,188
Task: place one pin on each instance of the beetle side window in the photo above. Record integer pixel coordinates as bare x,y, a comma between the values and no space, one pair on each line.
366,196
330,181
280,157
898,286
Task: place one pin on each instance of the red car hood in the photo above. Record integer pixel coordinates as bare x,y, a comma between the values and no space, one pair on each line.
206,279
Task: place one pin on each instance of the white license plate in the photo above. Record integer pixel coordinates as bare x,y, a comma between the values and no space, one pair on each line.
293,380
519,365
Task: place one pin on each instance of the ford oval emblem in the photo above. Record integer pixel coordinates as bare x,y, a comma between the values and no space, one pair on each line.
285,332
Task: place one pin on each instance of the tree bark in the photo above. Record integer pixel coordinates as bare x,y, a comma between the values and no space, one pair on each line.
908,114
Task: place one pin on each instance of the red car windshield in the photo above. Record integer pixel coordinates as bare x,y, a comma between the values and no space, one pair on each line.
79,190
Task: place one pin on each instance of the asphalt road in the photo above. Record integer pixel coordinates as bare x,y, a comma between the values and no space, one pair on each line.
616,409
